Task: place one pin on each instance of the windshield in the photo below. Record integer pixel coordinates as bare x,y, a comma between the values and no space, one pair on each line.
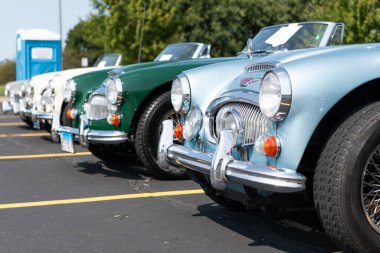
177,52
288,37
107,60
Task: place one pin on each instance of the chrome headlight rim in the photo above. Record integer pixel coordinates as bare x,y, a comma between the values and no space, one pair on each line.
197,122
182,106
118,89
69,90
284,102
29,88
222,115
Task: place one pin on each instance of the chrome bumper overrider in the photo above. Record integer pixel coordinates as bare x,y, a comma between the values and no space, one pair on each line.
222,168
86,135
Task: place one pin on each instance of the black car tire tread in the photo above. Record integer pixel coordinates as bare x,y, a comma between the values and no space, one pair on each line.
333,183
147,123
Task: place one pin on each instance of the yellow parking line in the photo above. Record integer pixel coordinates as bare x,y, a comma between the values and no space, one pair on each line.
23,135
8,117
99,199
13,124
43,155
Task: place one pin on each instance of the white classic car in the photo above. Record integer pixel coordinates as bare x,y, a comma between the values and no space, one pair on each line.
49,107
45,96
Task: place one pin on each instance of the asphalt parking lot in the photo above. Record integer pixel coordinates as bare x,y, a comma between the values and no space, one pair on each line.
56,202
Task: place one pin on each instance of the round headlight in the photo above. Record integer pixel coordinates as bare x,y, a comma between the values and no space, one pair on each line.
21,92
69,90
229,119
7,87
29,87
180,94
193,123
275,95
114,91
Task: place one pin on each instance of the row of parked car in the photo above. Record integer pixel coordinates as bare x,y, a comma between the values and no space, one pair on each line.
294,114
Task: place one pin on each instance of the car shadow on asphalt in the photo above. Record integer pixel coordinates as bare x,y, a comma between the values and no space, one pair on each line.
126,170
295,230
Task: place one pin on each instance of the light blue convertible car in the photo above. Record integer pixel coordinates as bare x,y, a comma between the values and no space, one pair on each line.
303,121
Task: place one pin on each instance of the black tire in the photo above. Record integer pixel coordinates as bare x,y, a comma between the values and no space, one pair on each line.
112,153
28,121
338,181
46,126
148,134
63,118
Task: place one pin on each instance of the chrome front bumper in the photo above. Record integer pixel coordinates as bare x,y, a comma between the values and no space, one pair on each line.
85,135
223,168
44,115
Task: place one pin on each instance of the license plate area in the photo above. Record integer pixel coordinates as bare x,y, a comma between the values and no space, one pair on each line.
36,124
67,142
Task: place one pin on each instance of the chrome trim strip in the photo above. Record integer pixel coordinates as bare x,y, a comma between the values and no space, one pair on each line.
259,176
66,129
44,115
106,137
26,112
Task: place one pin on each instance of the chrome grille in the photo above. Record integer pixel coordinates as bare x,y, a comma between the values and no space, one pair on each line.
258,67
97,107
255,123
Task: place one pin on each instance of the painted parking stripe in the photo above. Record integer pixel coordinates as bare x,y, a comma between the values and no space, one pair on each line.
101,199
24,135
8,117
15,157
13,124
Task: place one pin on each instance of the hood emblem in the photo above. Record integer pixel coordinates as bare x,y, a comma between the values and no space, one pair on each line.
247,81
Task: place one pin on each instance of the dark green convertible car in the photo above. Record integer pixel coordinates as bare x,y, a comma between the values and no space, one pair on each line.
121,118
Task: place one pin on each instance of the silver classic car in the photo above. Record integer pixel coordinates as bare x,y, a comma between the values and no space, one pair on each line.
305,121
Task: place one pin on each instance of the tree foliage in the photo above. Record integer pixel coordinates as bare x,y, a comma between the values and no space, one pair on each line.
115,25
86,39
228,24
361,17
7,71
123,21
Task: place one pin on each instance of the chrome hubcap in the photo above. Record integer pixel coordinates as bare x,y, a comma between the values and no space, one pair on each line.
370,189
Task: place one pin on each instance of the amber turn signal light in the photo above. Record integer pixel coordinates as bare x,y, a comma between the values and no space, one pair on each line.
116,119
178,130
271,146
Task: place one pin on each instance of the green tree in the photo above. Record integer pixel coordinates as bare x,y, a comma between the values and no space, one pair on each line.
228,24
7,71
361,17
123,20
86,39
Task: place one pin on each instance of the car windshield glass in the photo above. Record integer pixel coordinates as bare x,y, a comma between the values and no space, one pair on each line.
177,52
288,37
107,60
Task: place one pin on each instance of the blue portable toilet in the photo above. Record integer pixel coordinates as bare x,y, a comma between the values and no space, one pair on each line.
38,51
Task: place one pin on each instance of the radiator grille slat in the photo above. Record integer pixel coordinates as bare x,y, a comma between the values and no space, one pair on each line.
259,66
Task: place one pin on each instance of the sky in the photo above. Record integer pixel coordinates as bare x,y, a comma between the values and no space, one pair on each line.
37,14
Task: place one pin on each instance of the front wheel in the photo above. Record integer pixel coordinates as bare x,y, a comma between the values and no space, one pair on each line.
347,183
148,131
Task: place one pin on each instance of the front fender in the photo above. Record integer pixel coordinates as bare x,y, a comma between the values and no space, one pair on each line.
318,83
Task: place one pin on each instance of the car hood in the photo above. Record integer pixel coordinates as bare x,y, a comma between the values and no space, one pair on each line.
206,83
301,54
